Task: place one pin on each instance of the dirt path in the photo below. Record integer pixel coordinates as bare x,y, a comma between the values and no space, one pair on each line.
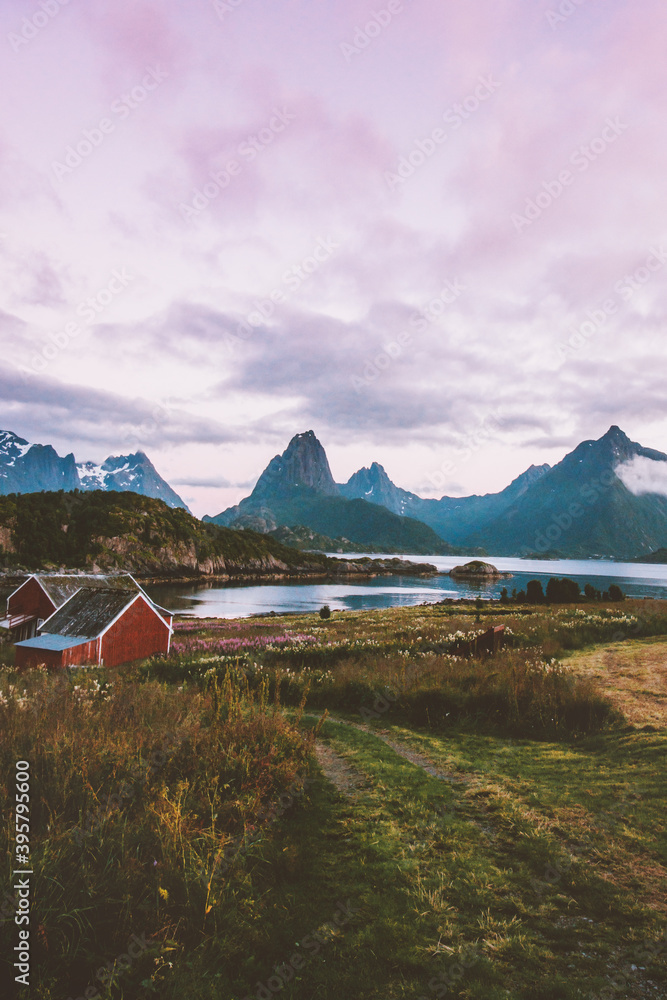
336,769
452,777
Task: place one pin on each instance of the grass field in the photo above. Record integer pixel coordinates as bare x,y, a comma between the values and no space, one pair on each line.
510,846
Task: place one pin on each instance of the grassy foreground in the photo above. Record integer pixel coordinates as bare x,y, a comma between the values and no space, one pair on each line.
198,830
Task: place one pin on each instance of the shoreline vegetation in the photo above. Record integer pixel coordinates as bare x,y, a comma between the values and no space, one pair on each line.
364,569
124,532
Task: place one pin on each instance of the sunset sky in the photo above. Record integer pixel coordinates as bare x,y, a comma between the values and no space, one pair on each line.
433,232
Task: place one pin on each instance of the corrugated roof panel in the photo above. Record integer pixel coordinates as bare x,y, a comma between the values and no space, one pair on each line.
57,642
61,586
88,612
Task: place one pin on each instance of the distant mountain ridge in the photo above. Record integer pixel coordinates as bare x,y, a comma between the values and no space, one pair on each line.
597,502
34,468
375,486
453,518
606,498
582,507
297,490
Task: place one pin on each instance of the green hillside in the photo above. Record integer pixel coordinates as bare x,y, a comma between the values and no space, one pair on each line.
110,530
368,526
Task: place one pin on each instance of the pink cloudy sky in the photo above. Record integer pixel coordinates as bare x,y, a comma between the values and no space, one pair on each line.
436,333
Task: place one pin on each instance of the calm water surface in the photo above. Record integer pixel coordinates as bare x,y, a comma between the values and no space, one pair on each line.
232,601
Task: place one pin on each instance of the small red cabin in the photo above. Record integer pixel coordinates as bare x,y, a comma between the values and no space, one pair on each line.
42,594
98,627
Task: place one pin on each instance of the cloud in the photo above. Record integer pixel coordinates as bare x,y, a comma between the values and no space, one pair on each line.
643,475
44,408
212,482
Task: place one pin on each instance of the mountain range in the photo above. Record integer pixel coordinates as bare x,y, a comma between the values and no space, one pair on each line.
607,498
33,468
297,490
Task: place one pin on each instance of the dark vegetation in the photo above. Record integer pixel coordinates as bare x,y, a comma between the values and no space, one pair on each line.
73,529
559,591
365,525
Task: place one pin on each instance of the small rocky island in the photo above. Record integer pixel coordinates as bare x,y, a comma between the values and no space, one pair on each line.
478,570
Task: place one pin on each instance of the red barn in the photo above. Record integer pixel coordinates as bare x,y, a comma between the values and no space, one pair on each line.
42,594
98,626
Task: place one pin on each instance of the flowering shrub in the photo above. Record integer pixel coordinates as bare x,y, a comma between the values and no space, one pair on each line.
240,645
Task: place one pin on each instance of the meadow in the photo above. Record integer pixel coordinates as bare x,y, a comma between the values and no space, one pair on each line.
349,807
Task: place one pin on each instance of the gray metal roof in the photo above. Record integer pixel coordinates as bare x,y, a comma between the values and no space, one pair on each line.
61,586
57,642
88,612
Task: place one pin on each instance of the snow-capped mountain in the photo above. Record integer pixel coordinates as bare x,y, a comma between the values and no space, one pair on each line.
135,473
33,468
29,468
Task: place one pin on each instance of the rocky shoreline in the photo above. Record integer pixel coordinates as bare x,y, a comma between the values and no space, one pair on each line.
335,569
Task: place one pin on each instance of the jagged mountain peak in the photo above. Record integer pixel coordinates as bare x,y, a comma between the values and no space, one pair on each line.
612,449
135,473
303,463
373,484
33,468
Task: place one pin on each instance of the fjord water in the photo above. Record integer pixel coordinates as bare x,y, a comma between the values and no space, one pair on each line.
217,600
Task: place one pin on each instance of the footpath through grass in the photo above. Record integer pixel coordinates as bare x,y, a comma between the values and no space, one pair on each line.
519,869
543,865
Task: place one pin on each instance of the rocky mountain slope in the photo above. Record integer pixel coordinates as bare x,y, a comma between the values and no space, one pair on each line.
31,468
297,490
603,499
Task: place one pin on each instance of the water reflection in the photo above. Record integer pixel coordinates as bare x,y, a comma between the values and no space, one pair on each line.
212,599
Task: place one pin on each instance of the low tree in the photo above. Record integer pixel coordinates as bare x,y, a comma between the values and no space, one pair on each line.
563,591
615,593
325,611
534,592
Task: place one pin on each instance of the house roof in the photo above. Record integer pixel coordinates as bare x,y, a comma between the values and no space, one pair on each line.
54,642
88,612
59,587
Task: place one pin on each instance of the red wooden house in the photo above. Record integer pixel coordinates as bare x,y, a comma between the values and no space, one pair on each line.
98,626
42,594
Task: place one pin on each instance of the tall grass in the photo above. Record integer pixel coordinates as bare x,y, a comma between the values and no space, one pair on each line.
136,790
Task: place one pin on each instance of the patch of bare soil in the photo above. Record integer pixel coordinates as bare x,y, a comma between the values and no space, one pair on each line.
346,778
